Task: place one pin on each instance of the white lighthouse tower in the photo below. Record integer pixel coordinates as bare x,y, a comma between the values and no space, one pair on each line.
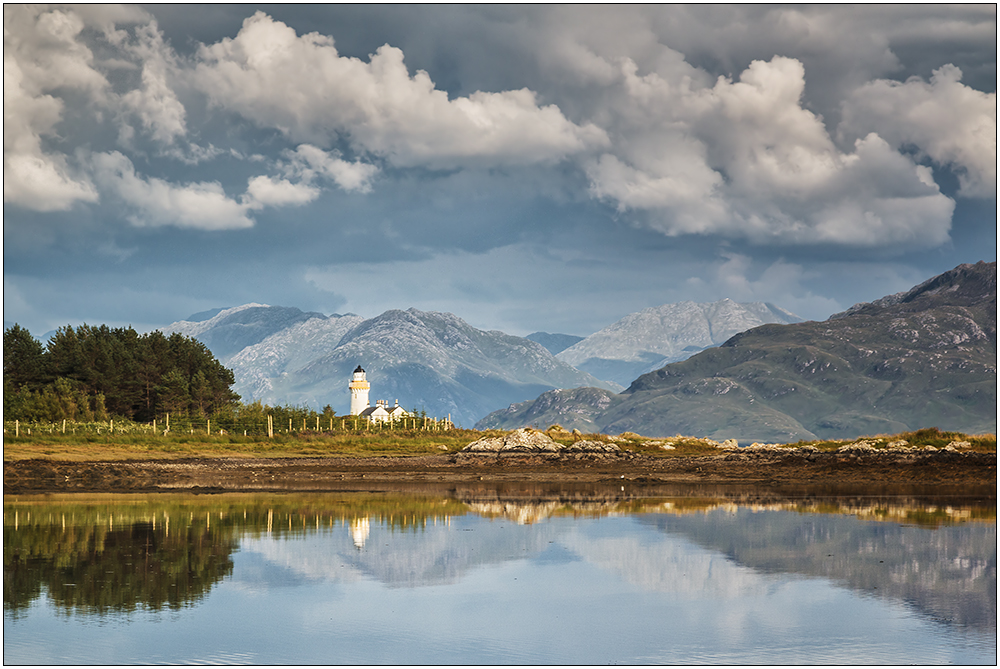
359,392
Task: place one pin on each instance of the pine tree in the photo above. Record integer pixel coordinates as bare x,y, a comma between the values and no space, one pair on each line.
23,358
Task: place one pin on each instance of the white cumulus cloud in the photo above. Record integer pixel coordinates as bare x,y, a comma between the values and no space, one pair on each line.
949,122
156,202
155,103
265,191
42,53
744,158
309,162
304,87
625,98
32,178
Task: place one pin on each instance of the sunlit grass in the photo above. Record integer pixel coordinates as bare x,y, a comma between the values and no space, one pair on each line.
395,443
155,447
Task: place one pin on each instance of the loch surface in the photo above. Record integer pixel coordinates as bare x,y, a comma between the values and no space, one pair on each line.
499,577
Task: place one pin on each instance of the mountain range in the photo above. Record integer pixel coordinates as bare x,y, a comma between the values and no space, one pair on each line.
649,339
915,359
429,361
925,357
554,343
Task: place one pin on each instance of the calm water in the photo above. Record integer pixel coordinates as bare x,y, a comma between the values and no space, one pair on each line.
485,577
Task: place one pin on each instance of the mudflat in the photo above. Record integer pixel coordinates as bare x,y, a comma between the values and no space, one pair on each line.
972,472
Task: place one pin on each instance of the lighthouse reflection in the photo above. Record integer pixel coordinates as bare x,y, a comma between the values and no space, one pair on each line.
360,529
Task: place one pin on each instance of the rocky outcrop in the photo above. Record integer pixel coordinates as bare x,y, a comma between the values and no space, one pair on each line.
528,442
518,441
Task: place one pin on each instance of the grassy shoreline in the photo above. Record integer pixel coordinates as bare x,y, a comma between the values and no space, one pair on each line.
155,447
407,443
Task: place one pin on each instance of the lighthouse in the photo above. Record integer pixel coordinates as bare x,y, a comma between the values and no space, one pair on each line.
359,392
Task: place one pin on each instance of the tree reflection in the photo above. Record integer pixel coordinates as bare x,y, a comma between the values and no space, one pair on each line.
98,569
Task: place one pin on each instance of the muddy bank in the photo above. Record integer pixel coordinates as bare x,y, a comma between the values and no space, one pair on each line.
947,470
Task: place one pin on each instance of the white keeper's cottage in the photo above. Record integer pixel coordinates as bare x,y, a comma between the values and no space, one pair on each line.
381,412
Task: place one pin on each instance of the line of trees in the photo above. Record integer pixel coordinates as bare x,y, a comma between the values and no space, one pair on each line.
92,373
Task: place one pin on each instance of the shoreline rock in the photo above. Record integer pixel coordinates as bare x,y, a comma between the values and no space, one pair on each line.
528,442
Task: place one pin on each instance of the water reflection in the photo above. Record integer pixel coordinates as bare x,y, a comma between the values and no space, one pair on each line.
85,562
948,575
98,555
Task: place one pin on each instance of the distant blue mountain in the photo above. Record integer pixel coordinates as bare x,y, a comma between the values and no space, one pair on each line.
554,343
204,315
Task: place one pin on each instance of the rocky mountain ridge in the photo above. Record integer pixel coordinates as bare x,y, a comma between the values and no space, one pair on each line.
922,358
649,339
231,330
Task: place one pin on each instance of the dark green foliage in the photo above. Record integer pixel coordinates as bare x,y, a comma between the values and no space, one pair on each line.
91,372
23,355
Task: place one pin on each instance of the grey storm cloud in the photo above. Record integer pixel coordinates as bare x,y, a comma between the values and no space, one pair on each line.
349,149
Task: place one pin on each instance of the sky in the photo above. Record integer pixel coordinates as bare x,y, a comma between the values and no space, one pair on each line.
526,167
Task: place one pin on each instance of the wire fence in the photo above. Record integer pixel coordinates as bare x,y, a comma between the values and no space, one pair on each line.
265,426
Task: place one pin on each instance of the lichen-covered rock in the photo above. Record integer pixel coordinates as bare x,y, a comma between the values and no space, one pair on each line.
530,441
484,445
774,449
591,447
524,440
860,447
